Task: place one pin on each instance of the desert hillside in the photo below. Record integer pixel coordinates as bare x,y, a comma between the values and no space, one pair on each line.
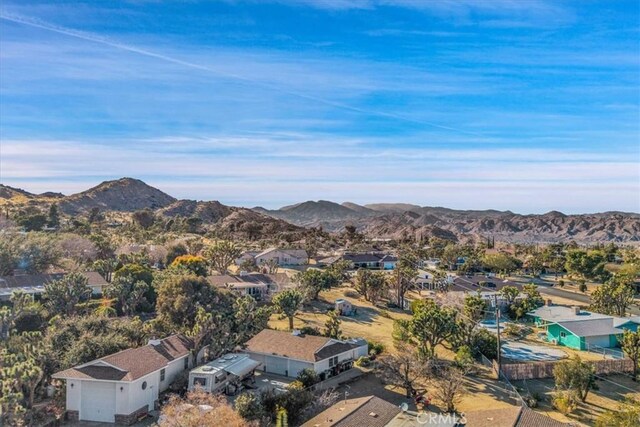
381,220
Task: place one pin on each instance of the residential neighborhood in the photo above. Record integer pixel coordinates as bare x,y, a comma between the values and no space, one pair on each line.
320,213
390,337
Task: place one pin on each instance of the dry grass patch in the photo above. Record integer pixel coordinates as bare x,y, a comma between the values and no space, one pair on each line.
371,322
610,393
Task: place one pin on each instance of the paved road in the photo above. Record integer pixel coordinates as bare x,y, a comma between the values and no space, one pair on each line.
585,299
546,289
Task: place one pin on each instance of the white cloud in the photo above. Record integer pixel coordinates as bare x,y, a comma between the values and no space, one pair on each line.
340,169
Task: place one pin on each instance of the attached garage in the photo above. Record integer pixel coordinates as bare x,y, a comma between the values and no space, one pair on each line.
287,354
98,401
276,365
121,387
599,340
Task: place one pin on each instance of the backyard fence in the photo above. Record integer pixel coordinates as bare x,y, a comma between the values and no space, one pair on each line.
611,353
536,370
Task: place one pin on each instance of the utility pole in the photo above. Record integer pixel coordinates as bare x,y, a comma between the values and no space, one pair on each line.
498,359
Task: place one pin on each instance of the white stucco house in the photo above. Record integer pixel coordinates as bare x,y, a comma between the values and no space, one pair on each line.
260,286
288,353
123,386
34,284
282,256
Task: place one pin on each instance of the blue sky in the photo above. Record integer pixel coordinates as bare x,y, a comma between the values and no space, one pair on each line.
528,105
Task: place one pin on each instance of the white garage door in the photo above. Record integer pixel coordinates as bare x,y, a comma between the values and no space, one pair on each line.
600,341
276,365
295,367
98,401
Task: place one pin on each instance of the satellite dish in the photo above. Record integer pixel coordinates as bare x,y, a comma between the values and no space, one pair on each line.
404,406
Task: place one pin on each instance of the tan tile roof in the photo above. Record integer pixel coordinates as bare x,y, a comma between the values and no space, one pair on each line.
369,411
514,416
503,417
286,344
133,363
531,418
309,348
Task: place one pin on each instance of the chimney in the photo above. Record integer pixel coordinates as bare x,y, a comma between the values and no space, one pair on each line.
243,273
576,309
154,341
296,333
548,303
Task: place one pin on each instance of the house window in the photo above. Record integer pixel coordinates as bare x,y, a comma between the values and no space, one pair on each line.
563,335
333,362
162,375
199,381
144,385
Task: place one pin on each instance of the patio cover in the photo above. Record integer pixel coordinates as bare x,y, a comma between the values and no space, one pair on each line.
242,367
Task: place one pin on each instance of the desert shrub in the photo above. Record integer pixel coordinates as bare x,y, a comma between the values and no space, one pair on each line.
308,377
363,361
416,305
565,402
310,330
532,400
350,293
296,385
375,348
514,330
484,342
249,407
464,358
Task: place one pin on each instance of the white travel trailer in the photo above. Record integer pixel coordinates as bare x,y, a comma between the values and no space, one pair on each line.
224,374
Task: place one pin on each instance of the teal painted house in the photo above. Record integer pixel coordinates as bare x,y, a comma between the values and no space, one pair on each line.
631,323
580,329
584,334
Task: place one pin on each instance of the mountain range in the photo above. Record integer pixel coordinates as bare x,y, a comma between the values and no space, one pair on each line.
396,220
382,220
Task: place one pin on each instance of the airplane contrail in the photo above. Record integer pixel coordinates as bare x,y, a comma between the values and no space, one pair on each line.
36,23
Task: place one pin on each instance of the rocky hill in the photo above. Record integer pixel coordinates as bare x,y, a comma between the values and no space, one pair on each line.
321,213
387,220
208,212
7,192
122,195
383,220
130,195
17,195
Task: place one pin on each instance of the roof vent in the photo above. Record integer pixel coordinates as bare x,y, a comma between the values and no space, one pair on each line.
296,332
373,414
243,273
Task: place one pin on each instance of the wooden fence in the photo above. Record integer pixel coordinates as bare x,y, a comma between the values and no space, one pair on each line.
535,370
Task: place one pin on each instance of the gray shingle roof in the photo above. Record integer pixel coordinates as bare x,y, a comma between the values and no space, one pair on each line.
591,328
369,411
133,363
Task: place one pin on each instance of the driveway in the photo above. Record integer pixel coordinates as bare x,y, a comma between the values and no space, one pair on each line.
527,352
